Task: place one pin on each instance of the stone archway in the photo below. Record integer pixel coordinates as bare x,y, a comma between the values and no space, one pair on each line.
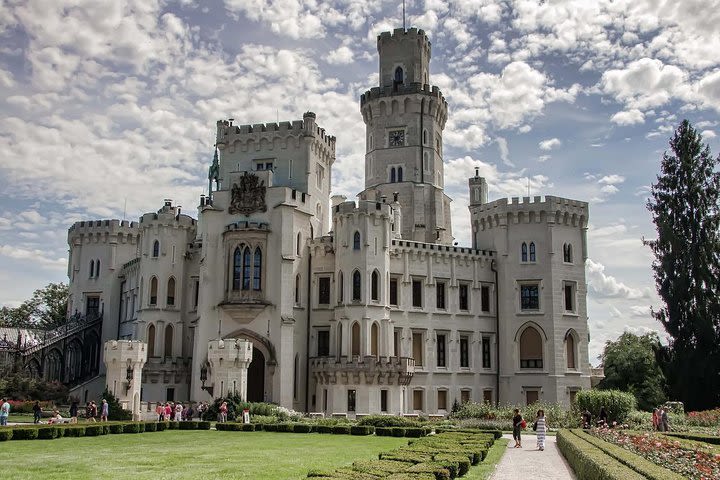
256,377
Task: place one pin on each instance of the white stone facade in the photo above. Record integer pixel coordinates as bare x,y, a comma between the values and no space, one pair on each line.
376,311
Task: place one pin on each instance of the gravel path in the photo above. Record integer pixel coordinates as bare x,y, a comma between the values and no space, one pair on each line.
528,463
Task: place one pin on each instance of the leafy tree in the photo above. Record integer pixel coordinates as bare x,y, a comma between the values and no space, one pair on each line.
46,309
630,365
685,210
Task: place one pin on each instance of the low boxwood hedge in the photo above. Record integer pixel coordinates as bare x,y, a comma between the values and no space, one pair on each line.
131,428
25,433
322,428
341,429
698,437
151,426
302,428
415,432
361,430
116,428
203,425
6,434
94,430
75,431
173,425
47,433
161,426
284,427
398,431
589,462
383,431
189,425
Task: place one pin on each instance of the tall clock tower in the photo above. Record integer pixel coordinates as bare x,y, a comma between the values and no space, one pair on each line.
404,119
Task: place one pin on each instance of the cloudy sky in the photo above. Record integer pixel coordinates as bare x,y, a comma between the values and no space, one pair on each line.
110,105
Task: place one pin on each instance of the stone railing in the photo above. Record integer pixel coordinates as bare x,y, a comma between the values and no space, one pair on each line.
368,370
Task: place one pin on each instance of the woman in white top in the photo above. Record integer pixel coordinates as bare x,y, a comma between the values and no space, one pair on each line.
540,429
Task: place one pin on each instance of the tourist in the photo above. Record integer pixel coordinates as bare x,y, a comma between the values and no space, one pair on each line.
37,412
603,418
168,411
223,412
93,411
160,411
655,419
586,419
517,426
56,418
73,412
661,412
4,411
105,411
540,428
664,421
178,412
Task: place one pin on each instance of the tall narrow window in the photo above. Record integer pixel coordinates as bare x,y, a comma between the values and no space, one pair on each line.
97,268
400,176
392,175
237,269
523,252
169,341
442,400
417,293
417,348
355,341
197,294
299,243
92,268
356,241
567,253
246,270
297,290
375,285
532,251
341,287
531,350
171,291
569,298
156,249
324,291
441,351
399,77
485,298
570,347
151,340
323,343
374,337
440,295
464,352
463,296
394,291
356,287
486,352
153,290
351,400
383,400
257,271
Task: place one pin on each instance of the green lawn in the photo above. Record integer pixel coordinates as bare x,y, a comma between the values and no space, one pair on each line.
187,455
483,470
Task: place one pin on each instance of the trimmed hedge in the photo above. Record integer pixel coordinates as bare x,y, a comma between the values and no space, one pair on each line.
341,429
25,433
248,427
189,425
698,437
94,430
48,433
6,434
641,465
302,428
75,431
383,431
271,427
203,425
589,462
322,428
161,426
398,431
131,428
415,432
151,426
116,428
361,430
173,425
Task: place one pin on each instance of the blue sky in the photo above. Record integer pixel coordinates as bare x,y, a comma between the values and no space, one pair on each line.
107,103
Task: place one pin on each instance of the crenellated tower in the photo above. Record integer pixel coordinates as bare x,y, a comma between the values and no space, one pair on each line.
404,119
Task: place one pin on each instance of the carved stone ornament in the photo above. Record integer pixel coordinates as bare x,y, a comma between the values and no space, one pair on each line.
249,196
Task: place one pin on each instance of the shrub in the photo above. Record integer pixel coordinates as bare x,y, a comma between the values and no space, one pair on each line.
25,434
75,431
398,431
161,426
383,431
302,428
151,426
341,429
116,428
115,411
322,428
47,433
5,434
203,425
387,421
173,425
248,427
618,405
285,427
94,430
589,462
236,406
698,437
131,427
190,425
415,432
361,430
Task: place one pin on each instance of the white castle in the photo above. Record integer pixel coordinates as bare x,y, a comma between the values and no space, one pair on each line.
377,311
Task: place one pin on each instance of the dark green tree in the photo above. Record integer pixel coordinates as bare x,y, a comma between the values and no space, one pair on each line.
46,309
631,366
685,210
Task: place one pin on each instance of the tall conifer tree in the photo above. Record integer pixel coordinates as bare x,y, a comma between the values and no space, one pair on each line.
685,209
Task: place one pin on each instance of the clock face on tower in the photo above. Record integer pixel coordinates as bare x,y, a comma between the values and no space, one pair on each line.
396,138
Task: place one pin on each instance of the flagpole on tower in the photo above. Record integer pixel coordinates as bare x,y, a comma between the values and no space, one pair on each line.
403,15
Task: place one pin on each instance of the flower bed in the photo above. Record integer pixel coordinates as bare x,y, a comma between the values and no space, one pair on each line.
695,464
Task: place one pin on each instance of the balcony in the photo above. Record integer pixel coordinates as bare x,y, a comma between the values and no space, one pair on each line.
244,305
366,370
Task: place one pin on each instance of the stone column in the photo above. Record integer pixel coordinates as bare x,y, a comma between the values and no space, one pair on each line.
229,360
124,361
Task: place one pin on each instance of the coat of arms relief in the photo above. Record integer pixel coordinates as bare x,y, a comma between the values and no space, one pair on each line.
249,196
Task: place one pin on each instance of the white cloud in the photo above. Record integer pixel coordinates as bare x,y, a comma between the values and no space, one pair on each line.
544,158
504,151
341,56
549,144
630,117
606,286
642,311
612,179
708,134
643,84
38,257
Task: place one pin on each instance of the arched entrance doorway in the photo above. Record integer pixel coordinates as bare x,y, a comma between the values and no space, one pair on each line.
256,377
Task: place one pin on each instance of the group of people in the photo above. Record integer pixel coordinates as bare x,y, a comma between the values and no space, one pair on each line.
539,426
178,412
660,420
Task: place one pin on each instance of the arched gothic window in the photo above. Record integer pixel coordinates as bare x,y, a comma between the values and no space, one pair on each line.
567,253
374,334
523,252
171,291
257,270
531,349
237,269
168,341
357,285
156,249
356,241
532,251
400,179
399,77
392,175
297,290
355,339
151,340
247,267
97,268
153,290
375,285
570,351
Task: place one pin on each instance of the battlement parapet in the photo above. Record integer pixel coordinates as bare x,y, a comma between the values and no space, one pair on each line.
364,206
125,350
95,228
405,89
403,245
227,133
550,208
167,220
403,35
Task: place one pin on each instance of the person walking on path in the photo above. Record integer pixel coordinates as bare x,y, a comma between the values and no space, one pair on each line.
586,419
665,421
178,412
517,426
655,419
37,412
223,412
4,411
168,412
73,412
105,411
160,411
540,429
603,418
